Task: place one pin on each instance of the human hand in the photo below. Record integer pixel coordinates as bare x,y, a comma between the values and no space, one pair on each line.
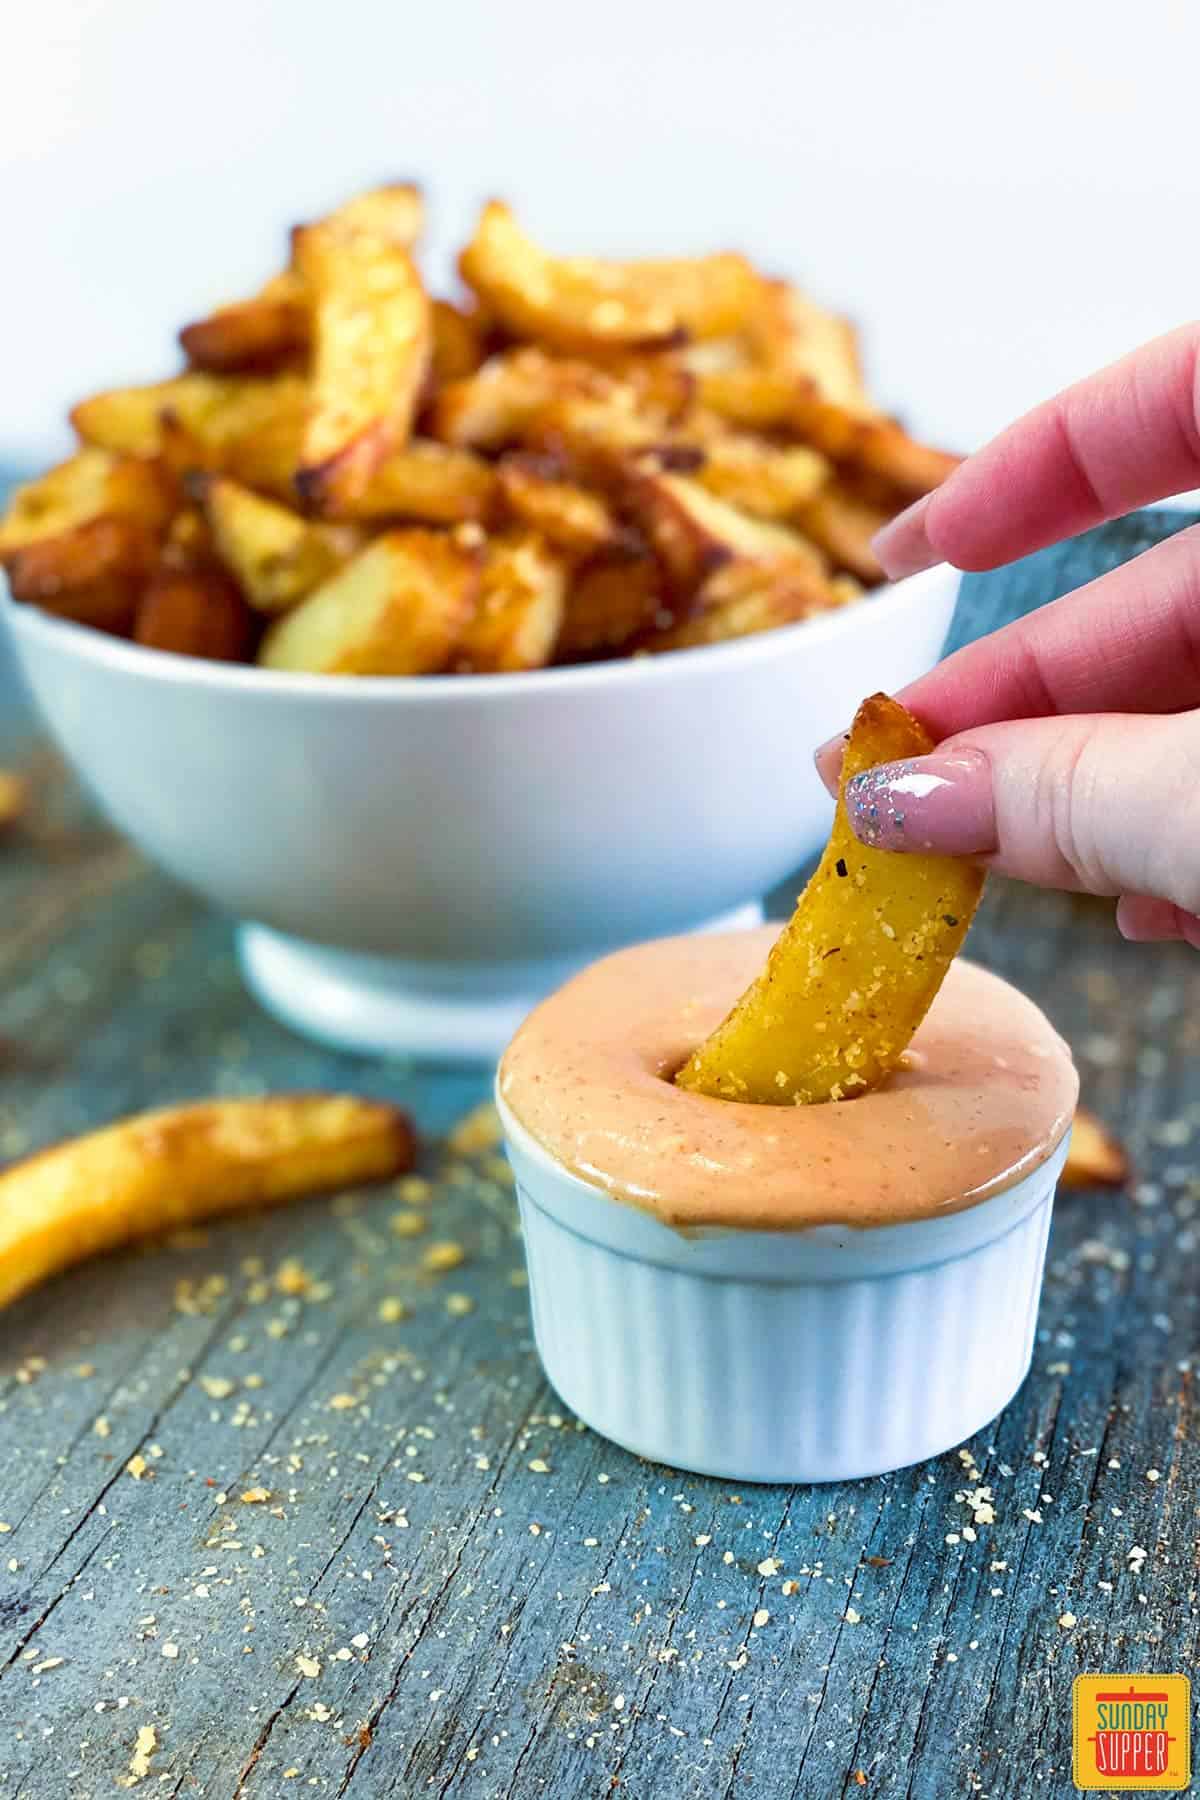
1068,753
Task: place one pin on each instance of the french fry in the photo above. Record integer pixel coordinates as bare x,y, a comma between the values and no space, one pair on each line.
1096,1156
693,533
269,329
768,481
14,799
438,484
532,492
400,607
573,303
163,1170
857,966
372,338
843,524
741,600
92,484
458,342
275,556
273,327
519,612
493,406
248,426
611,600
196,611
92,573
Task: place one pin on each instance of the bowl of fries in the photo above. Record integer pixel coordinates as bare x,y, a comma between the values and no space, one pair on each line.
446,644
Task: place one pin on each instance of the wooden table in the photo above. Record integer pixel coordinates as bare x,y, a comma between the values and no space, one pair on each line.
453,1589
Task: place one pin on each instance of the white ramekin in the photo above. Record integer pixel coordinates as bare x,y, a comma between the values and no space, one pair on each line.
814,1355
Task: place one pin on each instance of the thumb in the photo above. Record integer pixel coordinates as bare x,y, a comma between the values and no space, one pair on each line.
1106,803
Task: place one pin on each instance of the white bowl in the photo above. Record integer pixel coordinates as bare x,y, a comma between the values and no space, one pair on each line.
821,1354
418,860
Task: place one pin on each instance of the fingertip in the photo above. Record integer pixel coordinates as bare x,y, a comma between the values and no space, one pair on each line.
827,760
903,546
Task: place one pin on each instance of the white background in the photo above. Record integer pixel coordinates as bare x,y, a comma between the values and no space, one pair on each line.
1005,196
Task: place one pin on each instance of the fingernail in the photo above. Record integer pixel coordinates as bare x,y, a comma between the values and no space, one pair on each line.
940,802
828,759
902,546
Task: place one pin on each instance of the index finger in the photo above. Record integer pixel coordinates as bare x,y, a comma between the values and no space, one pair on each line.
1120,439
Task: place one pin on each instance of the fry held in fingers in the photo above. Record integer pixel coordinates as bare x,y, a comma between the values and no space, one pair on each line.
859,963
162,1170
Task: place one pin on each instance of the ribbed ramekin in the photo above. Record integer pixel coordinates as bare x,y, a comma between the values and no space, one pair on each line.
813,1355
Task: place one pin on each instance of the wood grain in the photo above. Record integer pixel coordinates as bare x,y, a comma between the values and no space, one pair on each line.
488,1630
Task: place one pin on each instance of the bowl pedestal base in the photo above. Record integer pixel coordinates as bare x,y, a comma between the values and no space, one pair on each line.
393,1006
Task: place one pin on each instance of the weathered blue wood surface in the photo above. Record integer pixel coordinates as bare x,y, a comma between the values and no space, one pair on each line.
473,1627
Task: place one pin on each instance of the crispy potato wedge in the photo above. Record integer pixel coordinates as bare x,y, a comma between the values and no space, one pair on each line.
533,492
92,573
14,799
768,481
857,966
573,303
372,339
248,426
275,556
843,524
196,611
91,484
273,327
611,600
741,600
459,342
435,483
494,406
519,612
1096,1157
693,533
400,607
269,329
163,1170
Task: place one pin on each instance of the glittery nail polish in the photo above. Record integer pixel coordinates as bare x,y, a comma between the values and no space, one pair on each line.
940,802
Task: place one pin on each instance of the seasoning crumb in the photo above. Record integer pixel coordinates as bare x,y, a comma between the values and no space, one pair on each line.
1067,1621
539,1466
144,1746
137,1466
342,1402
391,1310
852,1617
217,1387
770,1565
459,1305
255,1496
442,1256
308,1666
170,1651
408,1224
762,1617
702,1539
100,1426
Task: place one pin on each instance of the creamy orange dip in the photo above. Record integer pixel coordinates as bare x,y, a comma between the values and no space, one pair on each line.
987,1093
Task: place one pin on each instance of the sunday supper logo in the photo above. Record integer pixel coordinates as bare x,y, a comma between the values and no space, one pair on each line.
1131,1734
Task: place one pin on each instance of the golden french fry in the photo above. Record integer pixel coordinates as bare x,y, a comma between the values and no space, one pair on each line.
274,325
162,1170
255,334
533,492
742,599
843,524
458,342
438,484
276,556
573,303
519,612
400,607
768,481
693,532
372,337
92,573
494,406
92,484
194,612
14,799
857,966
611,600
249,426
1096,1157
